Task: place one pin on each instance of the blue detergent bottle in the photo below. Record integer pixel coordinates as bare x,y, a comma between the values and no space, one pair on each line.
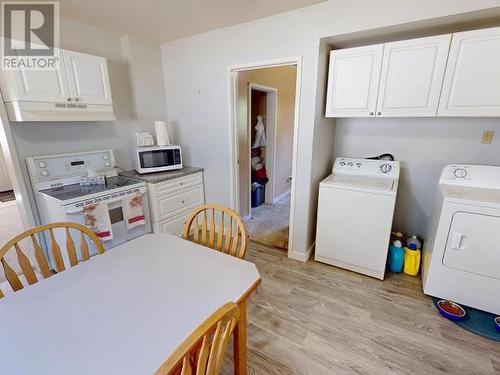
396,257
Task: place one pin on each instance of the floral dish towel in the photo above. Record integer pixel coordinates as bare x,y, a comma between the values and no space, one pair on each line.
97,219
133,211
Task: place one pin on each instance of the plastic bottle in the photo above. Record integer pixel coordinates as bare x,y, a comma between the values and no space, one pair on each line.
396,256
414,239
412,260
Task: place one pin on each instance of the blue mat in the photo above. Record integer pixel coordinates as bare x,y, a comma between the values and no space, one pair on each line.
476,321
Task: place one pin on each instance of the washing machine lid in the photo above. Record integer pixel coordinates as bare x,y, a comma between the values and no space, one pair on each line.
472,244
368,183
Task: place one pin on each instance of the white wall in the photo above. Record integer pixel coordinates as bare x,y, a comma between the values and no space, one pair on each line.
136,77
196,74
424,146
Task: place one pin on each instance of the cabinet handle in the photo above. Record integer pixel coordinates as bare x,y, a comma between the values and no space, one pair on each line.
68,100
76,99
371,113
182,202
379,113
181,183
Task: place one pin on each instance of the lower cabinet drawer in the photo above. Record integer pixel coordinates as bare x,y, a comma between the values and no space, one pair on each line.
170,206
175,225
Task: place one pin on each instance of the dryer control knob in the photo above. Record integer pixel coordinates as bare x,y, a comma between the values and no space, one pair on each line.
385,168
460,173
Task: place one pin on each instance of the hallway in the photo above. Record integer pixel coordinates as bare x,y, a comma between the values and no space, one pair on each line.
269,224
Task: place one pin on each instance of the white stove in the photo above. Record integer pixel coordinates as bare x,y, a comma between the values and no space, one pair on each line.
59,196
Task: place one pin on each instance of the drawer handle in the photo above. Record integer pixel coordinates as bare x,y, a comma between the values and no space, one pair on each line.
182,202
181,183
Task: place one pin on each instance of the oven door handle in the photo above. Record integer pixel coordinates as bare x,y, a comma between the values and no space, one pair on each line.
75,211
108,201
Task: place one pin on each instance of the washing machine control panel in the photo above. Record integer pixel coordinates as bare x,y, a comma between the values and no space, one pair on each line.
367,167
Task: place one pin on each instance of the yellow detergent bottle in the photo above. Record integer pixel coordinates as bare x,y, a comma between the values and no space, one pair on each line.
412,260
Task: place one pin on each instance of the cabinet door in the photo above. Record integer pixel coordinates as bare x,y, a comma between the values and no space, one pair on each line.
88,78
412,76
36,85
353,81
472,81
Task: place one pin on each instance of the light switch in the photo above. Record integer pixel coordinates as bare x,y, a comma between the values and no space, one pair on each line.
487,136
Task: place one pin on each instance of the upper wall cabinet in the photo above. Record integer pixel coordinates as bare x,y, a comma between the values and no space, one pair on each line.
412,76
88,78
36,85
78,90
472,82
353,81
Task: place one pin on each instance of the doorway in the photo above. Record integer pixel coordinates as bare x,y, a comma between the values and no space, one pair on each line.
265,126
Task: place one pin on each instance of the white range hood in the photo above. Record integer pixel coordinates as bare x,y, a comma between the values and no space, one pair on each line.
78,89
40,111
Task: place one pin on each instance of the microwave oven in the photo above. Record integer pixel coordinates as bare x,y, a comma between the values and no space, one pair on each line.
157,159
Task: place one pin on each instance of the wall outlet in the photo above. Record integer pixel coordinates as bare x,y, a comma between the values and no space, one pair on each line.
487,136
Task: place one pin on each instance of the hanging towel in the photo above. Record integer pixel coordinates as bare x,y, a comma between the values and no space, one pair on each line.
260,134
133,211
97,219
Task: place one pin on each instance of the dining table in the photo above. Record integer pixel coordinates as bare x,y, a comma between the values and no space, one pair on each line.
125,311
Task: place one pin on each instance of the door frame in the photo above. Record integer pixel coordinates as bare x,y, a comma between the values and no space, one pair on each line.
14,169
272,98
232,89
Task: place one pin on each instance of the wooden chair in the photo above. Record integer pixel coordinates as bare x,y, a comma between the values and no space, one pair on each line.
202,353
43,265
231,232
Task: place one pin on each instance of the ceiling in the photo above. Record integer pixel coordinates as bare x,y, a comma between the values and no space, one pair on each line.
165,20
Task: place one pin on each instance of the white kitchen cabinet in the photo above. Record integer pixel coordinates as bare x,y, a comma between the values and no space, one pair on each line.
36,85
78,78
412,77
353,81
173,200
472,82
88,78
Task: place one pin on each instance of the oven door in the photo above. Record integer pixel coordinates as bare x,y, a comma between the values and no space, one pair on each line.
74,213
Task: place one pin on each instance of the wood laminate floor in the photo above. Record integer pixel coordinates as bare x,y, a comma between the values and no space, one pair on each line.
311,318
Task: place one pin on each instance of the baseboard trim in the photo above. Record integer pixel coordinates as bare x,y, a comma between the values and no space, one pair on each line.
281,197
302,257
246,218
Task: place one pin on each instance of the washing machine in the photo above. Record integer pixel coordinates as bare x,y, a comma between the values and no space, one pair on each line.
461,257
355,212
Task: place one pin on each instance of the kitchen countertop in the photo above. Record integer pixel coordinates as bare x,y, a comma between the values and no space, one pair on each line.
156,177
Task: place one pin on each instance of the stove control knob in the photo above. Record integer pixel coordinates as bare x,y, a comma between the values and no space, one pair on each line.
105,156
107,164
42,164
342,163
44,172
385,168
358,165
350,164
460,173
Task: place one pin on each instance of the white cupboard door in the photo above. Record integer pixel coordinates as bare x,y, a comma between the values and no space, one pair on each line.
472,82
353,81
412,76
88,78
38,85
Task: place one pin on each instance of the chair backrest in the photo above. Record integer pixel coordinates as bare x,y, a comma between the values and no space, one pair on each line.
202,353
221,229
24,262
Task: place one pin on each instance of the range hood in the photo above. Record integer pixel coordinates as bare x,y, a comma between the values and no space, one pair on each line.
42,111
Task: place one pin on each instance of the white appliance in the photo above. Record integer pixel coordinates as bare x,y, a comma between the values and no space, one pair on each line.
59,196
157,159
355,211
461,257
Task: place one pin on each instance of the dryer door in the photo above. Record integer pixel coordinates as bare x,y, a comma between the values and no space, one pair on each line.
473,245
